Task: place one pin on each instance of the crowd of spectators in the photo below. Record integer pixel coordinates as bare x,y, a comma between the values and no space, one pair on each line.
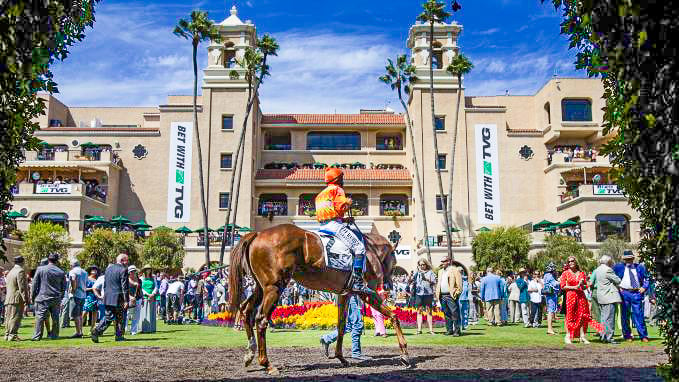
573,152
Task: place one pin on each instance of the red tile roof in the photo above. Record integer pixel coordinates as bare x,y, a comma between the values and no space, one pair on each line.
334,119
349,175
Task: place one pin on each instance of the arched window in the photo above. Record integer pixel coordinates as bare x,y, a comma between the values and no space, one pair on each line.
612,225
54,218
273,205
277,140
573,109
333,140
393,205
307,205
389,141
548,116
359,207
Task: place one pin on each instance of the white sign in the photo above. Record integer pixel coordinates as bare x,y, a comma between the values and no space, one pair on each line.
402,252
487,175
179,173
53,188
606,189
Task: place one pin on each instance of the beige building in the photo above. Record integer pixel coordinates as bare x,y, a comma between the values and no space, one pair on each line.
518,159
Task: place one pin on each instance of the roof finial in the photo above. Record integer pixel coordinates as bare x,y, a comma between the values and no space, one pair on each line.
234,11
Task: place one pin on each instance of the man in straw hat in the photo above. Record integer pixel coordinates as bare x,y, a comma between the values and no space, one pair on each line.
632,287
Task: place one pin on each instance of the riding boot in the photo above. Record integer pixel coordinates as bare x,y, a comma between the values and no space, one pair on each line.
357,283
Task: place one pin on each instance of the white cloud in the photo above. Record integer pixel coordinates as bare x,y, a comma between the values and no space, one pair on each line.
488,32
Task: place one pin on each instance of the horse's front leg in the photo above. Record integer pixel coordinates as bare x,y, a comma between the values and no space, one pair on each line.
341,325
376,302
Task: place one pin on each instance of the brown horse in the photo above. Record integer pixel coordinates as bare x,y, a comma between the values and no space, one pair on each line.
274,256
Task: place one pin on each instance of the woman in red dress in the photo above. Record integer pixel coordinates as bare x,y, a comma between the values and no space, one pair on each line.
574,282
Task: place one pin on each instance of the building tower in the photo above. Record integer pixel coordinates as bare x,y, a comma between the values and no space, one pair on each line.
446,90
224,102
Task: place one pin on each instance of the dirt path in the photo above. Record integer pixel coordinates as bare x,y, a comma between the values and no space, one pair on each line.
578,363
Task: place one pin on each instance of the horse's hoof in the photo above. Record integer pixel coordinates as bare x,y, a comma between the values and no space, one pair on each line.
405,361
344,362
272,370
248,358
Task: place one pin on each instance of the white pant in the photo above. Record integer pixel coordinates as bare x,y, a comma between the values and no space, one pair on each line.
347,235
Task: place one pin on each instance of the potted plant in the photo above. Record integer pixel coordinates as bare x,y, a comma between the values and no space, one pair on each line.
16,234
310,212
357,212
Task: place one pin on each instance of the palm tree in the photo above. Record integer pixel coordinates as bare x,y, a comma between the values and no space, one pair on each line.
399,77
199,29
256,68
434,13
459,67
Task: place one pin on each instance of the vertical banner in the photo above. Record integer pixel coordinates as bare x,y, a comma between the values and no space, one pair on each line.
487,174
179,175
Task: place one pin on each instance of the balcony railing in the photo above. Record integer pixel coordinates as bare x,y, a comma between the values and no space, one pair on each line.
592,190
95,192
65,156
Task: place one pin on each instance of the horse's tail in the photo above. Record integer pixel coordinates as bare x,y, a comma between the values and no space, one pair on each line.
238,263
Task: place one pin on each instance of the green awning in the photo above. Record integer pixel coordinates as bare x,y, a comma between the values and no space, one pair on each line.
120,219
183,229
483,229
141,224
15,214
96,219
542,224
87,144
568,223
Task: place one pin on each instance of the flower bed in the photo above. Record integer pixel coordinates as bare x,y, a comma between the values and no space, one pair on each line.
322,315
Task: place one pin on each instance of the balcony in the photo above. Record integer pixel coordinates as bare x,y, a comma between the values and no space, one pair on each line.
589,131
567,161
62,191
69,156
591,192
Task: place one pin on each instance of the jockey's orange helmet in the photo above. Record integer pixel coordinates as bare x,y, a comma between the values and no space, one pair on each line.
333,175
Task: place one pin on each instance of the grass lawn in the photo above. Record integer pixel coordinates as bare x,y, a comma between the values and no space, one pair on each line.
208,336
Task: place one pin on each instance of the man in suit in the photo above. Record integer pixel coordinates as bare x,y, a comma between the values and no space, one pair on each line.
17,297
491,294
116,298
632,287
49,285
606,282
447,291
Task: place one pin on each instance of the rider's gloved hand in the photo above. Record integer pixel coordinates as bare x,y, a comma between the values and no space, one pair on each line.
349,220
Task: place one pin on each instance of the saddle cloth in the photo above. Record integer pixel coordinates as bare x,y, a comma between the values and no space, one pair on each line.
337,255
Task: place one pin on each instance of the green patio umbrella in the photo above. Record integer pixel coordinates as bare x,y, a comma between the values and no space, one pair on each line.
120,219
183,229
568,223
455,229
43,143
543,224
551,228
202,229
220,229
483,229
96,219
15,214
87,144
245,229
143,229
141,224
161,227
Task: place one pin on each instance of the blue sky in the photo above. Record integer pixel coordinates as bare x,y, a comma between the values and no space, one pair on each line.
330,57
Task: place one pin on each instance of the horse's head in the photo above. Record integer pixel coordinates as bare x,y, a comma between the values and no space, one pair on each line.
383,250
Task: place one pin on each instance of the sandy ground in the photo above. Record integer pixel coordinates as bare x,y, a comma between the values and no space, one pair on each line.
576,363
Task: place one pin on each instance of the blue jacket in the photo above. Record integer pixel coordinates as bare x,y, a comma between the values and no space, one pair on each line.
523,290
465,291
619,270
491,287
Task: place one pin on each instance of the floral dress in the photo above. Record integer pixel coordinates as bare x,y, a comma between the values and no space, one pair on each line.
90,298
577,308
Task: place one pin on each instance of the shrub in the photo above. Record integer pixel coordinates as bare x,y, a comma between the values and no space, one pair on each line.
614,246
559,248
501,248
163,250
43,238
102,246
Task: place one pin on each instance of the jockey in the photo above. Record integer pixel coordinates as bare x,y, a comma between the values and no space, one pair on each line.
331,205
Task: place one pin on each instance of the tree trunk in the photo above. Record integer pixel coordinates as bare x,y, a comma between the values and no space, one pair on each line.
449,204
200,155
433,127
417,174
